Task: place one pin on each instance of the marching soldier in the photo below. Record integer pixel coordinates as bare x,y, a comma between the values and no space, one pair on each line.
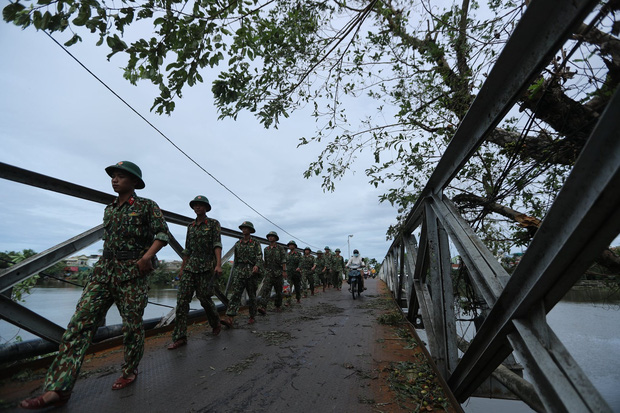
246,272
319,268
202,265
307,271
275,267
337,269
134,231
293,258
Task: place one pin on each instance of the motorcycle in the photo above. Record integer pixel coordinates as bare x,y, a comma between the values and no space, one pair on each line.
355,282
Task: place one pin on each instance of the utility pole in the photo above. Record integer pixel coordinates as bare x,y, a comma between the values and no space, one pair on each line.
349,245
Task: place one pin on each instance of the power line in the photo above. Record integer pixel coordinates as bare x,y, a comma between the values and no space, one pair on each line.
170,140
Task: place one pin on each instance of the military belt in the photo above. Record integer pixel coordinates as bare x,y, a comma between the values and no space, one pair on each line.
122,255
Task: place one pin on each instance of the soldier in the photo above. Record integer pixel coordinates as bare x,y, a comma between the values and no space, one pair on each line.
246,272
202,265
134,231
329,278
307,271
319,269
275,267
293,259
338,269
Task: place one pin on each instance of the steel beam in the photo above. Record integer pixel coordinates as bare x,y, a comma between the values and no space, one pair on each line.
487,273
558,379
444,320
531,46
18,272
29,320
582,221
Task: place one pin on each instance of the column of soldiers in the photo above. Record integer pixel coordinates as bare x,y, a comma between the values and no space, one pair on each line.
134,231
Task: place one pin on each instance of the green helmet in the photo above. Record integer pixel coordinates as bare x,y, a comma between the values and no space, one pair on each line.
327,248
337,249
275,234
130,167
308,248
249,225
200,199
319,252
291,242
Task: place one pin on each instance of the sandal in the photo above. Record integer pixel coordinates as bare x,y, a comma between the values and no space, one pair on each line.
123,381
228,322
37,403
179,343
217,329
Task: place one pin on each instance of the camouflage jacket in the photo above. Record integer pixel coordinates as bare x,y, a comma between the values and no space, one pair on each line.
337,263
202,239
247,255
293,259
328,258
320,264
306,264
133,226
275,258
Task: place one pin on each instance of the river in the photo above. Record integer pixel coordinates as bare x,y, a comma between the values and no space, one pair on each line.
586,321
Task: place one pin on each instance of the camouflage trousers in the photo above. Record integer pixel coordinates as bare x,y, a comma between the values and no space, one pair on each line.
322,278
307,281
201,284
336,278
130,298
274,280
295,281
244,279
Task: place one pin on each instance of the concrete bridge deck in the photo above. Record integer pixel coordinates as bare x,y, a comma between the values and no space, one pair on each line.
328,354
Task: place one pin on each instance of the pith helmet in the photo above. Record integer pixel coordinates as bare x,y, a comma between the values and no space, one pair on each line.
248,224
200,199
337,249
130,167
327,248
275,234
291,242
308,248
319,252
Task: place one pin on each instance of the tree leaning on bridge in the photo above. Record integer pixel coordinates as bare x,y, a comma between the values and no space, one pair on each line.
420,64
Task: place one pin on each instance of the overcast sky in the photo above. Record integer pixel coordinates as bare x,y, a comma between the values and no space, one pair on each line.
57,120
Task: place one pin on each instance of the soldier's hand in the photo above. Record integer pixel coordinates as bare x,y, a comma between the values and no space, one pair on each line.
218,270
145,265
255,269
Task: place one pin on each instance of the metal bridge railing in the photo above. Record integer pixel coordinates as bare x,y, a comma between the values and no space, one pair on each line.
582,222
34,323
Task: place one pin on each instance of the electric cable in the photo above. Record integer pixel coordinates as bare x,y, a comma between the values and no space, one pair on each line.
171,142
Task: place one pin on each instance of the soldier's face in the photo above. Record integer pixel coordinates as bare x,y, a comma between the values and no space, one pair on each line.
200,209
271,238
123,182
245,230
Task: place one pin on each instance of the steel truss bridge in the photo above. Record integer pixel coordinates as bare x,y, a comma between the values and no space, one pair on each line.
582,222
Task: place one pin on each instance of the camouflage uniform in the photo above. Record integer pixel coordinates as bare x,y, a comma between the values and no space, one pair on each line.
328,256
198,273
319,272
337,268
247,255
130,228
293,259
275,258
307,276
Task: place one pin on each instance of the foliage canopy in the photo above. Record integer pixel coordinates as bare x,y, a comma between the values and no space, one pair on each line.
418,66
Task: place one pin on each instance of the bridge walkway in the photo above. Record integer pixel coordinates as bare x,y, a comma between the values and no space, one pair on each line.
328,354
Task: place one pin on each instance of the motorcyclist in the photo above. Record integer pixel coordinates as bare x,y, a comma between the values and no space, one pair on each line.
356,262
